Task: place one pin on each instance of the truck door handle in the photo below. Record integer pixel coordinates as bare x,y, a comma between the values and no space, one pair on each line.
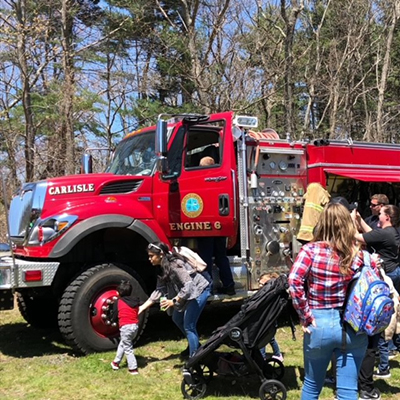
223,204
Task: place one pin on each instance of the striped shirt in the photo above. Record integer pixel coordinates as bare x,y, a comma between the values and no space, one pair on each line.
315,280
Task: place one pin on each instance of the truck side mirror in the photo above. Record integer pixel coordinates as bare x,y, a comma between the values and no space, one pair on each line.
161,138
86,164
161,146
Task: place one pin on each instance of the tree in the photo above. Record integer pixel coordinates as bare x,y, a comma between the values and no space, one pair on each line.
392,17
290,16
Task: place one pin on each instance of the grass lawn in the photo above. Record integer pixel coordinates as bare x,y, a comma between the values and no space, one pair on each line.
37,365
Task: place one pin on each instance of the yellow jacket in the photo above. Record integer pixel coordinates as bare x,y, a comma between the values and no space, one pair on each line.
316,198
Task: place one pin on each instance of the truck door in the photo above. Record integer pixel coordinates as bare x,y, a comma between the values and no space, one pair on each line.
200,200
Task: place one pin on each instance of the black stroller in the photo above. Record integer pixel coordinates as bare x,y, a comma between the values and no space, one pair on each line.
249,330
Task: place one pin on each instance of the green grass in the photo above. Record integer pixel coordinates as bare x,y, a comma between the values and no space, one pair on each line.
37,365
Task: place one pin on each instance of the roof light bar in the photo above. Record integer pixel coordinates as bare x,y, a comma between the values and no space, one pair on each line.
246,122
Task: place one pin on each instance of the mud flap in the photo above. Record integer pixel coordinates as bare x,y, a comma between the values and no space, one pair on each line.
6,299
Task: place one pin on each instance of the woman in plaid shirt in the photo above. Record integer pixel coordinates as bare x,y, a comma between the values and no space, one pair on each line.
318,282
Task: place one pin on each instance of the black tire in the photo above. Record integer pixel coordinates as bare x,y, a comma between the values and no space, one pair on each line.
80,314
273,369
38,311
272,390
195,390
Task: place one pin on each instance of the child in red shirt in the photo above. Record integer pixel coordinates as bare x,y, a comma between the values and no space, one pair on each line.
126,309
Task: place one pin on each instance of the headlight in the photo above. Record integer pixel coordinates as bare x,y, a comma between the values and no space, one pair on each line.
48,229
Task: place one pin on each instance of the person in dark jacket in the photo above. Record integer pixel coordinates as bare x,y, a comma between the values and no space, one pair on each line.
126,311
186,291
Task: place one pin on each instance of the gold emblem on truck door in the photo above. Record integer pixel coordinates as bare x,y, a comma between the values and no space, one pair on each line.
192,205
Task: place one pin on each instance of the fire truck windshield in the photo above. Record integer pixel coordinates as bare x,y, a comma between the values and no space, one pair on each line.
134,155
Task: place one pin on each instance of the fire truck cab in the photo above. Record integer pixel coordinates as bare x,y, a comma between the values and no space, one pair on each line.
75,237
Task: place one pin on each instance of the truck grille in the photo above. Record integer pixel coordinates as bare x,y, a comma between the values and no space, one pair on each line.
121,187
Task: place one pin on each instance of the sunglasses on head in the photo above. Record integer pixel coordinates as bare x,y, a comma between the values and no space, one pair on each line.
154,247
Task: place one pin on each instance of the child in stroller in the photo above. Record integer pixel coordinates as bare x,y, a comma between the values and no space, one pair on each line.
249,330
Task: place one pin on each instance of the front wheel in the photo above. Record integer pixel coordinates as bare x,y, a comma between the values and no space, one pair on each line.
272,390
85,308
194,390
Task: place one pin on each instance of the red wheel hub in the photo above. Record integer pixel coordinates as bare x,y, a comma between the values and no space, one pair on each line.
100,313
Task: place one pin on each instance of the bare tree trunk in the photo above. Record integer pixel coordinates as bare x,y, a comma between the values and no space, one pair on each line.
10,139
201,81
110,62
335,89
68,93
314,73
367,116
290,22
267,105
20,8
113,106
196,70
385,72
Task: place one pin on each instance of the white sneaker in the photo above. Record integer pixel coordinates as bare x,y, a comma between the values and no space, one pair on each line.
378,374
114,365
375,394
280,357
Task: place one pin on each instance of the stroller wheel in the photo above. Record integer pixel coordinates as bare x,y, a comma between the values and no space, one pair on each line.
272,390
273,369
196,389
205,372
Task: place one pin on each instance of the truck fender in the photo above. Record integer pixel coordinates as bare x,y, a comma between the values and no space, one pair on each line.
145,231
90,225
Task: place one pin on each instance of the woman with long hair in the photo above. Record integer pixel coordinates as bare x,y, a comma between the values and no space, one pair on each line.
185,291
318,283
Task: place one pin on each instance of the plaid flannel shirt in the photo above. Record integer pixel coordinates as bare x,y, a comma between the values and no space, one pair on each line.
315,280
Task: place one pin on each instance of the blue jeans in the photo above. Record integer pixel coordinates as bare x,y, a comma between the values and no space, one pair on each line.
395,277
276,351
186,320
394,344
326,339
383,347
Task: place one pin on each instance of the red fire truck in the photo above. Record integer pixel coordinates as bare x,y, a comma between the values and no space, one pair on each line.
75,237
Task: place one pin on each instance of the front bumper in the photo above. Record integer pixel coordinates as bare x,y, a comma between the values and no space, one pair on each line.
13,273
